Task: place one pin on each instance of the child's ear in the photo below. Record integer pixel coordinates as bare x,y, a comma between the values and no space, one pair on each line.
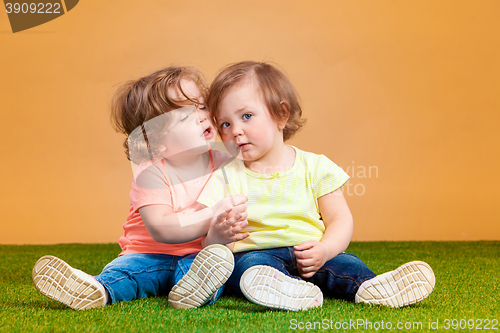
285,114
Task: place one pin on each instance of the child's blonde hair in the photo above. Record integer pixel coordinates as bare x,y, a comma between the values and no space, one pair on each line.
138,101
276,90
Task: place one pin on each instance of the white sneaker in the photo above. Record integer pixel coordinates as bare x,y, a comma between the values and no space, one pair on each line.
57,280
211,268
408,284
267,286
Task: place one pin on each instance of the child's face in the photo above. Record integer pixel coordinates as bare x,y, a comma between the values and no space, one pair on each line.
246,122
190,130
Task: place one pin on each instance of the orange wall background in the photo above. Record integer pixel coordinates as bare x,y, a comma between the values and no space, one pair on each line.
402,94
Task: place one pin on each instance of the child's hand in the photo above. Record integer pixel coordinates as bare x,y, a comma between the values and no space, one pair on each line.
229,203
311,256
226,225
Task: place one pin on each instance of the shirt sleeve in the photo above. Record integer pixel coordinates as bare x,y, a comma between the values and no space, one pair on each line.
329,176
150,188
215,190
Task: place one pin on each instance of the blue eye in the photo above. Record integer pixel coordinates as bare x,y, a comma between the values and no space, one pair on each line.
224,125
247,116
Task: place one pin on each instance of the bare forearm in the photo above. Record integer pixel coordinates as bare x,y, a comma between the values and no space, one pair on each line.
338,222
176,228
165,226
337,236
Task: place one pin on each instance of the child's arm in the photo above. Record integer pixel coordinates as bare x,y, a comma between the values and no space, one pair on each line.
225,227
312,255
165,226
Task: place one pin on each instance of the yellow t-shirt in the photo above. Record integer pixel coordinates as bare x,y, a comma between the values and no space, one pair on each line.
282,208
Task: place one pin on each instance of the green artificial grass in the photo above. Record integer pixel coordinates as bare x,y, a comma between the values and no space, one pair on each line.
467,289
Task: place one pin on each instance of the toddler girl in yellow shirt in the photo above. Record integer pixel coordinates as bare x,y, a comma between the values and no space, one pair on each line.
299,223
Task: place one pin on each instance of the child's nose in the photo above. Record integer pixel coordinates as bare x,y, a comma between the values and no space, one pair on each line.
202,115
237,130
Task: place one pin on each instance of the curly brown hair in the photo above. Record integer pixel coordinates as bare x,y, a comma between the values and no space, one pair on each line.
274,86
138,101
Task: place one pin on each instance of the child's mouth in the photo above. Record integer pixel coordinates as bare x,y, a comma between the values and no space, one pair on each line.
208,133
243,146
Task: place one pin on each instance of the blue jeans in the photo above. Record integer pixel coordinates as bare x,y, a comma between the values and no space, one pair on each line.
135,276
340,277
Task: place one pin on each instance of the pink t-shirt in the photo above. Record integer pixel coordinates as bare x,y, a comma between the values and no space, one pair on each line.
166,189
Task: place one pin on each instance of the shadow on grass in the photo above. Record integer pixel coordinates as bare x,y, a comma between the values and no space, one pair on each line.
247,308
36,305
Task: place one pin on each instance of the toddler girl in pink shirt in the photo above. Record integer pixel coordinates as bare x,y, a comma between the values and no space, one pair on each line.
169,142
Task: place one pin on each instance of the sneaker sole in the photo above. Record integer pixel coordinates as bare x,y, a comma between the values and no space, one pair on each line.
267,286
210,270
408,284
56,279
